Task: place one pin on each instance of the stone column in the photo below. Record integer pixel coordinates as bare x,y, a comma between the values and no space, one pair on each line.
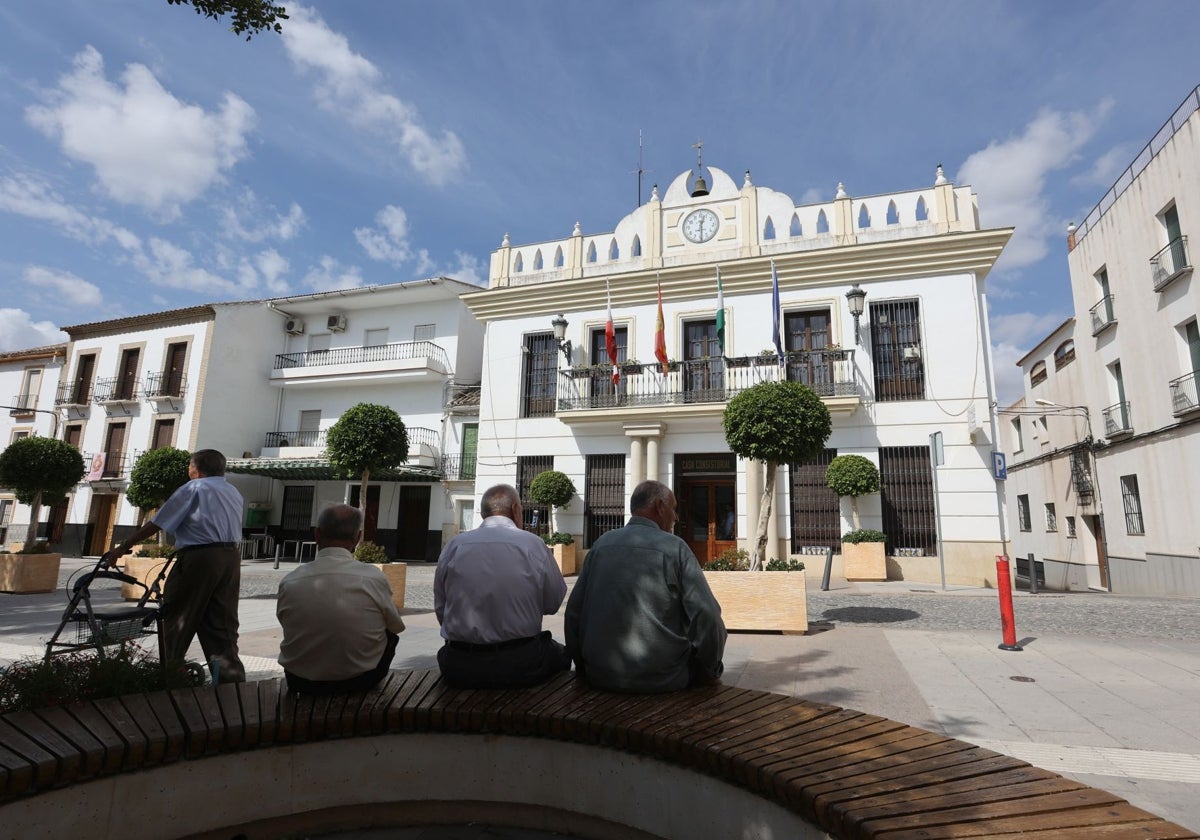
637,461
652,458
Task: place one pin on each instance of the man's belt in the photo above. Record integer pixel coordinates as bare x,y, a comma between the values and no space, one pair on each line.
471,646
206,545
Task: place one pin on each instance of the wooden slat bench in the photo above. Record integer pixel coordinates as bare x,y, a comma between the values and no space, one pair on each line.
414,749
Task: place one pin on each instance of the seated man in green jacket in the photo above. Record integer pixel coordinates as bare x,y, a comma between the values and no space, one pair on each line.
641,618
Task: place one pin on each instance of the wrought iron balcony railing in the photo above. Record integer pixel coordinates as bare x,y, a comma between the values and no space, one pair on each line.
116,389
1169,263
1116,420
73,393
116,465
458,467
279,439
830,373
23,404
162,386
362,355
1183,394
424,441
1102,315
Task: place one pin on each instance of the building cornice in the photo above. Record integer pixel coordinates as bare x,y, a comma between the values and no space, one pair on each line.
138,322
51,351
973,252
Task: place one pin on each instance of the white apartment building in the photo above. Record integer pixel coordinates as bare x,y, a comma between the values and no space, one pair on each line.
1114,389
914,364
412,346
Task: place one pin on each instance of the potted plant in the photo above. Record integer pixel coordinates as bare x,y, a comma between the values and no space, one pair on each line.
562,546
156,474
630,366
395,572
145,563
552,488
737,361
751,601
38,470
863,558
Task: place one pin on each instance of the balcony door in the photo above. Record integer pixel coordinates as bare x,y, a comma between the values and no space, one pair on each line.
708,516
808,331
127,376
604,391
172,385
704,367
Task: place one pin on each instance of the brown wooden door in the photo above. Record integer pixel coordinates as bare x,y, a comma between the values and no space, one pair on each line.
173,380
127,378
371,514
100,520
708,517
1097,527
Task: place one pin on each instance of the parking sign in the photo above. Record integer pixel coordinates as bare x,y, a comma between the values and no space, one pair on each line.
999,466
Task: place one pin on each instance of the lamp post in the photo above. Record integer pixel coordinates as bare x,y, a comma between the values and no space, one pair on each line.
855,299
559,325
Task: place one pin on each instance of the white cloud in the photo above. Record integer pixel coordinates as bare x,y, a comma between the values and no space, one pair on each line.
63,287
351,87
389,241
1105,169
329,274
146,147
1014,335
252,221
1010,178
18,331
468,270
271,266
166,264
28,196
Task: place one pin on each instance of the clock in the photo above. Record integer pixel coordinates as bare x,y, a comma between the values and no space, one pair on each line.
700,225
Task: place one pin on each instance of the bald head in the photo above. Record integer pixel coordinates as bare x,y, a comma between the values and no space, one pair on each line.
502,500
654,501
339,526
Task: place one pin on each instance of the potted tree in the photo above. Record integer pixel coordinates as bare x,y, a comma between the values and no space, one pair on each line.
155,476
366,439
39,471
555,489
863,556
395,572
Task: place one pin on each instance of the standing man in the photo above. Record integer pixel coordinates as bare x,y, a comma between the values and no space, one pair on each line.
641,618
201,593
490,591
340,626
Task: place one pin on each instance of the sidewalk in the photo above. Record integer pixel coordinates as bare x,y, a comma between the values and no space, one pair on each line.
1114,713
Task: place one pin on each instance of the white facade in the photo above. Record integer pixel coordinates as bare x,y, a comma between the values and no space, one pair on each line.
1137,361
921,365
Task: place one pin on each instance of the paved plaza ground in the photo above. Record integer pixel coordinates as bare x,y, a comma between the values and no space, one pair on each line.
1106,690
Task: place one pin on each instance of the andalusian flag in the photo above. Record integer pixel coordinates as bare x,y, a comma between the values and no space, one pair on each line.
610,336
660,334
720,313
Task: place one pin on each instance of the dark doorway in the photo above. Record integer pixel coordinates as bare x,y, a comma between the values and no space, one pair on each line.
371,514
412,523
295,521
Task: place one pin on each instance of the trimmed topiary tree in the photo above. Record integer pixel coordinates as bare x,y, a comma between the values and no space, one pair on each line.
39,471
853,476
155,476
366,439
552,488
776,423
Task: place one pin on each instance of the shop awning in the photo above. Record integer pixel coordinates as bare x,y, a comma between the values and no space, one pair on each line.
319,469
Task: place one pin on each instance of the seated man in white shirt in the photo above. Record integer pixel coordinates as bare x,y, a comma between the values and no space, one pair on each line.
340,627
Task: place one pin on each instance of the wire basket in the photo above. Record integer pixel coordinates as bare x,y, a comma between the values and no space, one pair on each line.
111,632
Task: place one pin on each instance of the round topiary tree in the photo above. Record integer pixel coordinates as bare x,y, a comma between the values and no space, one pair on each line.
776,423
39,471
155,476
366,439
552,488
853,476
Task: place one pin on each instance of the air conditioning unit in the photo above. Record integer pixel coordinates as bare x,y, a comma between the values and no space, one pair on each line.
336,323
912,353
294,326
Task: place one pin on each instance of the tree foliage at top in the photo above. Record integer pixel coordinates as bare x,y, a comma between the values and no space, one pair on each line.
156,475
366,439
776,423
40,471
552,488
853,476
247,16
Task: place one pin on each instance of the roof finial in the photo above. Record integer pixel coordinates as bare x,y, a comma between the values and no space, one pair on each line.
747,182
505,243
941,177
841,191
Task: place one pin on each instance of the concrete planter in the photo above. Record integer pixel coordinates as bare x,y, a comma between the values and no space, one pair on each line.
145,570
761,600
29,573
864,561
564,558
396,574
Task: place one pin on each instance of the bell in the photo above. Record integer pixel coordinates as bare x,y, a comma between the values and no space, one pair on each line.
701,187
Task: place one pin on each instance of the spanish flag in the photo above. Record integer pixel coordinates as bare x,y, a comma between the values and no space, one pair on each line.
610,337
660,334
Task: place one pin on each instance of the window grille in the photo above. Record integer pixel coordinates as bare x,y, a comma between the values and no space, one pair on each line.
424,332
1051,518
907,497
296,517
1023,513
540,376
604,496
816,510
1133,505
896,351
1037,375
1071,527
529,467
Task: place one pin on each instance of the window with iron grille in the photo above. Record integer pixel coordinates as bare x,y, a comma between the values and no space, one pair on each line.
424,332
1132,500
1023,521
816,510
540,376
896,351
296,517
529,467
1070,527
1037,374
1051,519
604,496
907,498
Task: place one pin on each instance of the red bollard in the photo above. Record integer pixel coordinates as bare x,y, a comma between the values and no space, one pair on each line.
1007,623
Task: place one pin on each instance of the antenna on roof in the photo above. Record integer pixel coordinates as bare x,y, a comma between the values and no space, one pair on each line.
640,171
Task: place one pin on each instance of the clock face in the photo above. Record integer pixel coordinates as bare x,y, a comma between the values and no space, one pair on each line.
700,225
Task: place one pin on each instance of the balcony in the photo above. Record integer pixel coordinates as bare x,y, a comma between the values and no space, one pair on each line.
1170,263
1102,315
23,405
458,467
1116,420
164,386
1183,395
402,361
116,390
112,466
424,445
703,386
73,394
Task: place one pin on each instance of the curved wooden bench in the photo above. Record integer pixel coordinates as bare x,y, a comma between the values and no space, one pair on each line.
753,758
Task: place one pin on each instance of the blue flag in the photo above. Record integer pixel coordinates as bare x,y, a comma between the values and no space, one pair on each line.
775,314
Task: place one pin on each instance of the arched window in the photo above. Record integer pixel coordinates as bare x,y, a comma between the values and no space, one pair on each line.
822,223
769,229
591,257
1065,354
922,210
1037,374
864,218
893,217
558,257
795,229
518,265
636,249
537,260
614,253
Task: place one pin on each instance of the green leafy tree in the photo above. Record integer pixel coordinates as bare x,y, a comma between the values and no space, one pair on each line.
552,488
775,423
853,476
248,16
155,476
366,439
39,471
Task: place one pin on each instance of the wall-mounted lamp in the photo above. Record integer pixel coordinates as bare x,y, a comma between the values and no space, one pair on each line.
559,325
856,299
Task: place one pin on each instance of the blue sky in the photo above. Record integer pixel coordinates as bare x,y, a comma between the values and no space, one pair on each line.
150,159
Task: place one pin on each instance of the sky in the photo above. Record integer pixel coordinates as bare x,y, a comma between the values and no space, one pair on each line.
150,159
